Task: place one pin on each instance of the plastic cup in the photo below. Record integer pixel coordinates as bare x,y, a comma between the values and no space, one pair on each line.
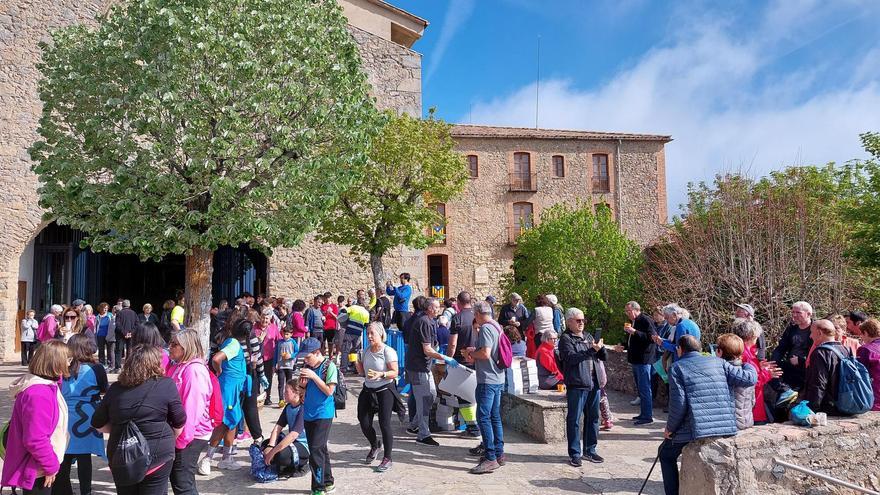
353,357
560,387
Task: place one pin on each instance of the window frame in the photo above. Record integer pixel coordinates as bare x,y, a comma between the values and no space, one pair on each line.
473,168
601,184
558,169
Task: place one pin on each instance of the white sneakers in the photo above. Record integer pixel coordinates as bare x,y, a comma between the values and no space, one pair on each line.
229,464
635,401
204,466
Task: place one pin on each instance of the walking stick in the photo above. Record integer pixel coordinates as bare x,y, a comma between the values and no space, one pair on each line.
652,466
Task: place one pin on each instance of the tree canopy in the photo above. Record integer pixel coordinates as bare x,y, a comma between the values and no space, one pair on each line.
584,259
412,165
179,124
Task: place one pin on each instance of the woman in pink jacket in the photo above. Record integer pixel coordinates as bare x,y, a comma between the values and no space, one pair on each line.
190,373
37,435
267,331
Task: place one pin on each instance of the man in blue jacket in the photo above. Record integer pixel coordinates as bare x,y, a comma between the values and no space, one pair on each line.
401,296
700,403
679,319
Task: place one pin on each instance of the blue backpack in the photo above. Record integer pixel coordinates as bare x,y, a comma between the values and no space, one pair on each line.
854,392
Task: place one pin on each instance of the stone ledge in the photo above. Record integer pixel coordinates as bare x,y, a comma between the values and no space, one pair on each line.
540,416
743,464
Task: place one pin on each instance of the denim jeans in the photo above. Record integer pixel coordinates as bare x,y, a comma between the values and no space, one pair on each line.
582,402
669,453
489,419
642,372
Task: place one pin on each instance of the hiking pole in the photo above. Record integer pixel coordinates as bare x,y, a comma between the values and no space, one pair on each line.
652,466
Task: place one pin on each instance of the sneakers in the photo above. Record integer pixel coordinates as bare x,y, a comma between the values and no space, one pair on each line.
484,467
640,422
245,435
374,451
472,431
607,425
229,464
331,488
384,466
204,466
594,458
500,460
635,401
412,431
575,461
787,397
479,450
428,441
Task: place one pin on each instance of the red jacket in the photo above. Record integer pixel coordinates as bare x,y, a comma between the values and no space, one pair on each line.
531,349
764,376
547,359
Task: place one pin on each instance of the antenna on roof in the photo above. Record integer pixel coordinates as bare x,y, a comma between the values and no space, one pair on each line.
537,77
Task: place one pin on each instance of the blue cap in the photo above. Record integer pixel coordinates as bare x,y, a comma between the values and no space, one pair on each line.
309,346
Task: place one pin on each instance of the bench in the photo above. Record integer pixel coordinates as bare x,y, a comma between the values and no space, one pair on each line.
541,416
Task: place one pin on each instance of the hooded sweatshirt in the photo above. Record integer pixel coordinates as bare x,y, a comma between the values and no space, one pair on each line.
38,433
194,385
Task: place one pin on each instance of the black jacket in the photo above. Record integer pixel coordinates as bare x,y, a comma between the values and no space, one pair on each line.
823,375
579,360
640,348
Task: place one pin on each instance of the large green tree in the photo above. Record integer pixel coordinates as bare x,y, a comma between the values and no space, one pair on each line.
177,126
864,209
412,166
583,258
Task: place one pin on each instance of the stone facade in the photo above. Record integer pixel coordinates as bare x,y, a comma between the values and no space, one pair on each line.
478,246
393,69
846,449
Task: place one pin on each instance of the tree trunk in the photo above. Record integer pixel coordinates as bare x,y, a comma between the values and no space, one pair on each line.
376,267
199,273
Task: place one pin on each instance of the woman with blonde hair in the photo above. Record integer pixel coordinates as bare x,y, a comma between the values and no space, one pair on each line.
146,397
377,362
37,433
190,374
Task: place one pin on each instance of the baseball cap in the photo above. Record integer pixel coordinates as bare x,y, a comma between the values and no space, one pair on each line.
491,299
748,307
309,346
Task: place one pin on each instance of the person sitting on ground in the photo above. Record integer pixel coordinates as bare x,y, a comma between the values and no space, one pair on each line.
749,331
823,372
700,404
549,375
517,344
869,355
730,348
289,453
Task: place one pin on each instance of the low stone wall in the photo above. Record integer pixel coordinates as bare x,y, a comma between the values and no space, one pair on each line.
847,449
541,416
620,378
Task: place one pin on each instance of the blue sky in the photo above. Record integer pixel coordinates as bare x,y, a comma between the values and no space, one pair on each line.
740,85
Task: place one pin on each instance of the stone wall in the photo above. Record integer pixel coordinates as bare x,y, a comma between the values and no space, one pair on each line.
847,449
393,70
478,223
620,378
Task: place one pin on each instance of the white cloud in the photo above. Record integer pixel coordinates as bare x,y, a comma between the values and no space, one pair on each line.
712,90
457,14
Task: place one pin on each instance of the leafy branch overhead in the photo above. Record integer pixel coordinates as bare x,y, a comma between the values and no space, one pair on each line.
176,125
412,165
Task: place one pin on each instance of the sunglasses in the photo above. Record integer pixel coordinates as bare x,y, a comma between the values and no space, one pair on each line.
579,321
70,317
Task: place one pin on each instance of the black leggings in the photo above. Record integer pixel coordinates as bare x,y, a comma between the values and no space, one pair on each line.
62,485
251,409
283,460
39,488
284,374
269,367
155,483
365,417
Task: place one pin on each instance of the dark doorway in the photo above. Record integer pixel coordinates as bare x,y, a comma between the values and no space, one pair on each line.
64,272
438,275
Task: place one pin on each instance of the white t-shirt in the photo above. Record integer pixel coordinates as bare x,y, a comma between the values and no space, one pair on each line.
378,361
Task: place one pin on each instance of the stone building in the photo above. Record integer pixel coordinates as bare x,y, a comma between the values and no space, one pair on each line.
516,173
41,263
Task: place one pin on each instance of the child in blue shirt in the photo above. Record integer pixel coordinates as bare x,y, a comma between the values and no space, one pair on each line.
285,357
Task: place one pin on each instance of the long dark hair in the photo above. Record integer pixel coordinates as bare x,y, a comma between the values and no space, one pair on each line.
82,349
149,334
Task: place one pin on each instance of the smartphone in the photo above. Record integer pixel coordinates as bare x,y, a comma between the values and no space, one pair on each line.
597,335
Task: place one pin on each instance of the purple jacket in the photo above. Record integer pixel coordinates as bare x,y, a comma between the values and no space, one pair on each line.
869,355
30,453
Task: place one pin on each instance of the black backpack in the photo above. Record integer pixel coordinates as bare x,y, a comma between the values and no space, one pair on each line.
132,457
340,393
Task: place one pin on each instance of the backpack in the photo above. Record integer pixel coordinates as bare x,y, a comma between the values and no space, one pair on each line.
505,351
132,457
339,393
854,392
215,405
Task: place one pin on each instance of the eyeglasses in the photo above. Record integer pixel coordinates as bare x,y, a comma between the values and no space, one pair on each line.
579,321
69,317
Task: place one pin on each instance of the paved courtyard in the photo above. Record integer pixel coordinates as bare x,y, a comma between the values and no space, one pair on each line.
531,468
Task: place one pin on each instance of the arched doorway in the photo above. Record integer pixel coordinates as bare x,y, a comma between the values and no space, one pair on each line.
62,272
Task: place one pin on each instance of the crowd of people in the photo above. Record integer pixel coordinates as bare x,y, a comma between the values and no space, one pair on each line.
172,414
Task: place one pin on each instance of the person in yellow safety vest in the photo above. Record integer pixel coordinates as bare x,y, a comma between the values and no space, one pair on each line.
358,318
